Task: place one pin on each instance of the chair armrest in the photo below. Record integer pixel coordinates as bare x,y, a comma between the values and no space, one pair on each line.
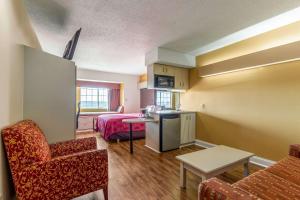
295,150
216,189
63,177
73,146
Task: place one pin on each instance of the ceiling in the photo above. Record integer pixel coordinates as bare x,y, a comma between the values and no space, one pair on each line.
116,34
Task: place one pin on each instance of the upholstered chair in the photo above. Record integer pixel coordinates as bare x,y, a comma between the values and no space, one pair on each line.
59,171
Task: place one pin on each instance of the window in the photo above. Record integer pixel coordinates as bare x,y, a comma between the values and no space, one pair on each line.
164,98
94,98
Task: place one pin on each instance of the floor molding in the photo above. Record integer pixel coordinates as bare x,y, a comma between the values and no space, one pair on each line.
263,162
186,145
84,130
152,149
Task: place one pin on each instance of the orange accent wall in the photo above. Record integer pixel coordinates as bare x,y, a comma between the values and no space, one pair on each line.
256,110
142,78
122,95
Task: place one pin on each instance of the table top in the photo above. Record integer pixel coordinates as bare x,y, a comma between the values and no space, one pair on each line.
212,159
162,112
137,120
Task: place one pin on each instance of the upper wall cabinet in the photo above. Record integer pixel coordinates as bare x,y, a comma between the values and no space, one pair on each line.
181,75
164,70
181,78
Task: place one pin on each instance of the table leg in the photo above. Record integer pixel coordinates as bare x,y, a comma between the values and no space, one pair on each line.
246,168
182,176
130,138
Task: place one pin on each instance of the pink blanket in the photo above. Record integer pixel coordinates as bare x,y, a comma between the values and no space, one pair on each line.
112,124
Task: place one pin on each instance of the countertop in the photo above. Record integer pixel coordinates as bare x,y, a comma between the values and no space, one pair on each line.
138,120
162,112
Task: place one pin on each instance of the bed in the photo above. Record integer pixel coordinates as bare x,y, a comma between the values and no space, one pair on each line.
111,126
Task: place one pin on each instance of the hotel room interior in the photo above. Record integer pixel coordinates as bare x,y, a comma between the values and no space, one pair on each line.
144,99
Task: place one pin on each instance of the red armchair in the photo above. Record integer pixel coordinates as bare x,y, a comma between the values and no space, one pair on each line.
59,171
295,150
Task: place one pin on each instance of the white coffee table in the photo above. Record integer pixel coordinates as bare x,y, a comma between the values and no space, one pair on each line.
212,162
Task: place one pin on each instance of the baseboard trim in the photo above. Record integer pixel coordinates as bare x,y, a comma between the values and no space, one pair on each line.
204,144
152,149
256,160
263,162
187,144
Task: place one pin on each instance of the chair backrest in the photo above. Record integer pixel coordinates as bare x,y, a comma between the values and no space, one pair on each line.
25,144
120,109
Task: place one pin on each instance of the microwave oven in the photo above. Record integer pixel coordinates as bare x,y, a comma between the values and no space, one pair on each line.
162,81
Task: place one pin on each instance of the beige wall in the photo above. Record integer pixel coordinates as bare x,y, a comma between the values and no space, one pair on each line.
14,29
50,94
256,110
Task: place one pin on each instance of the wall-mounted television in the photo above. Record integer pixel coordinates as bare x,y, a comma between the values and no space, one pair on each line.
71,46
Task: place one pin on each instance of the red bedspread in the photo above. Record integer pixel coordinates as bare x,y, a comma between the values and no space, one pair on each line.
112,124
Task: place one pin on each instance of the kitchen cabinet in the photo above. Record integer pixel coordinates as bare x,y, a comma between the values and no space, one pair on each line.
163,70
152,136
180,74
181,78
188,128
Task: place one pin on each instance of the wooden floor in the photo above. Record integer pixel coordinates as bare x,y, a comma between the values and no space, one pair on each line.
149,175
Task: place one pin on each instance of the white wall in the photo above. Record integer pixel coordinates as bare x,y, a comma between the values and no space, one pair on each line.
50,94
14,29
131,90
169,57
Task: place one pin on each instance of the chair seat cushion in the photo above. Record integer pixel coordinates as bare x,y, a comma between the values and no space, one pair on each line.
287,168
268,186
25,144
